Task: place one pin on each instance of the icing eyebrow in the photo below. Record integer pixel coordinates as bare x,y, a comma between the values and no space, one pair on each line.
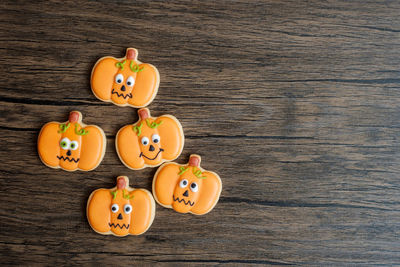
64,127
154,124
137,129
198,174
81,131
182,170
135,68
120,64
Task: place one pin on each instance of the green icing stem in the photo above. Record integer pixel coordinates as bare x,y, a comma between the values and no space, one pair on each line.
114,194
135,68
154,124
138,129
198,174
120,64
81,131
127,196
64,127
182,170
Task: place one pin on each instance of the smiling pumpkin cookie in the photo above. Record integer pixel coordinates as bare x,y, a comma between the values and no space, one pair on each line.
187,188
150,141
125,81
121,210
71,145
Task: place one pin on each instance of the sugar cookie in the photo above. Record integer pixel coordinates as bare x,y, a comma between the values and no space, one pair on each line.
125,81
121,210
72,145
187,188
150,141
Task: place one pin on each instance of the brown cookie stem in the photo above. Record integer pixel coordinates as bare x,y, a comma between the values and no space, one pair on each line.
194,160
131,54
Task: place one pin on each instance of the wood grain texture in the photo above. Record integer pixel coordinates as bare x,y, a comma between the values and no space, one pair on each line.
295,104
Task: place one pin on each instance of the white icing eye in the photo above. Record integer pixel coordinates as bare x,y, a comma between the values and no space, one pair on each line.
183,183
194,187
119,78
155,138
65,143
114,208
74,145
145,140
127,208
130,81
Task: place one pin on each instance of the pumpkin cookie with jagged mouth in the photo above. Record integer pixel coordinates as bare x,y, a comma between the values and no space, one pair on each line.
187,187
125,81
71,145
121,210
150,141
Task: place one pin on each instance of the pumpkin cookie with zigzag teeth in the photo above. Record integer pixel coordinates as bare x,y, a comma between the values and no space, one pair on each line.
187,188
125,81
121,210
71,145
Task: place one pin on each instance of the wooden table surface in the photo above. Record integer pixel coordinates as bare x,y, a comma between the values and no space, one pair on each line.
296,104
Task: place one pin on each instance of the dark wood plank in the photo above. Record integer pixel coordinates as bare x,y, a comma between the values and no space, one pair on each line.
295,104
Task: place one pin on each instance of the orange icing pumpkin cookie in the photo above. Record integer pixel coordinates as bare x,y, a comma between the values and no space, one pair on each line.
71,145
121,210
150,141
125,81
187,188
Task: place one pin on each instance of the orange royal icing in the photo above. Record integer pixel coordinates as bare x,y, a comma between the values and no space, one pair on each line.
125,81
121,210
71,145
150,141
187,188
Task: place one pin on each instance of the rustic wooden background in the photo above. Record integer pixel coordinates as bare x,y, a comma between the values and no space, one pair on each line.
296,104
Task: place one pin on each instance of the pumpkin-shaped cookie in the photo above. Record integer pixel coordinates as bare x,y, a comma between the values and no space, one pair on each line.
71,145
187,188
125,81
121,210
150,141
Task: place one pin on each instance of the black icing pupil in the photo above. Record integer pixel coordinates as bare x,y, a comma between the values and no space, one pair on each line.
114,208
72,145
193,185
184,183
63,144
127,209
155,140
145,142
129,83
119,81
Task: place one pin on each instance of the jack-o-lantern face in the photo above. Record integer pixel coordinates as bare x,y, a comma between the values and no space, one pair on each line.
150,141
187,188
71,145
121,210
125,81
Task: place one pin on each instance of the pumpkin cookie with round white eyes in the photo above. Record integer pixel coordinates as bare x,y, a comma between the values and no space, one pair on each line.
150,141
125,81
187,188
121,210
71,145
